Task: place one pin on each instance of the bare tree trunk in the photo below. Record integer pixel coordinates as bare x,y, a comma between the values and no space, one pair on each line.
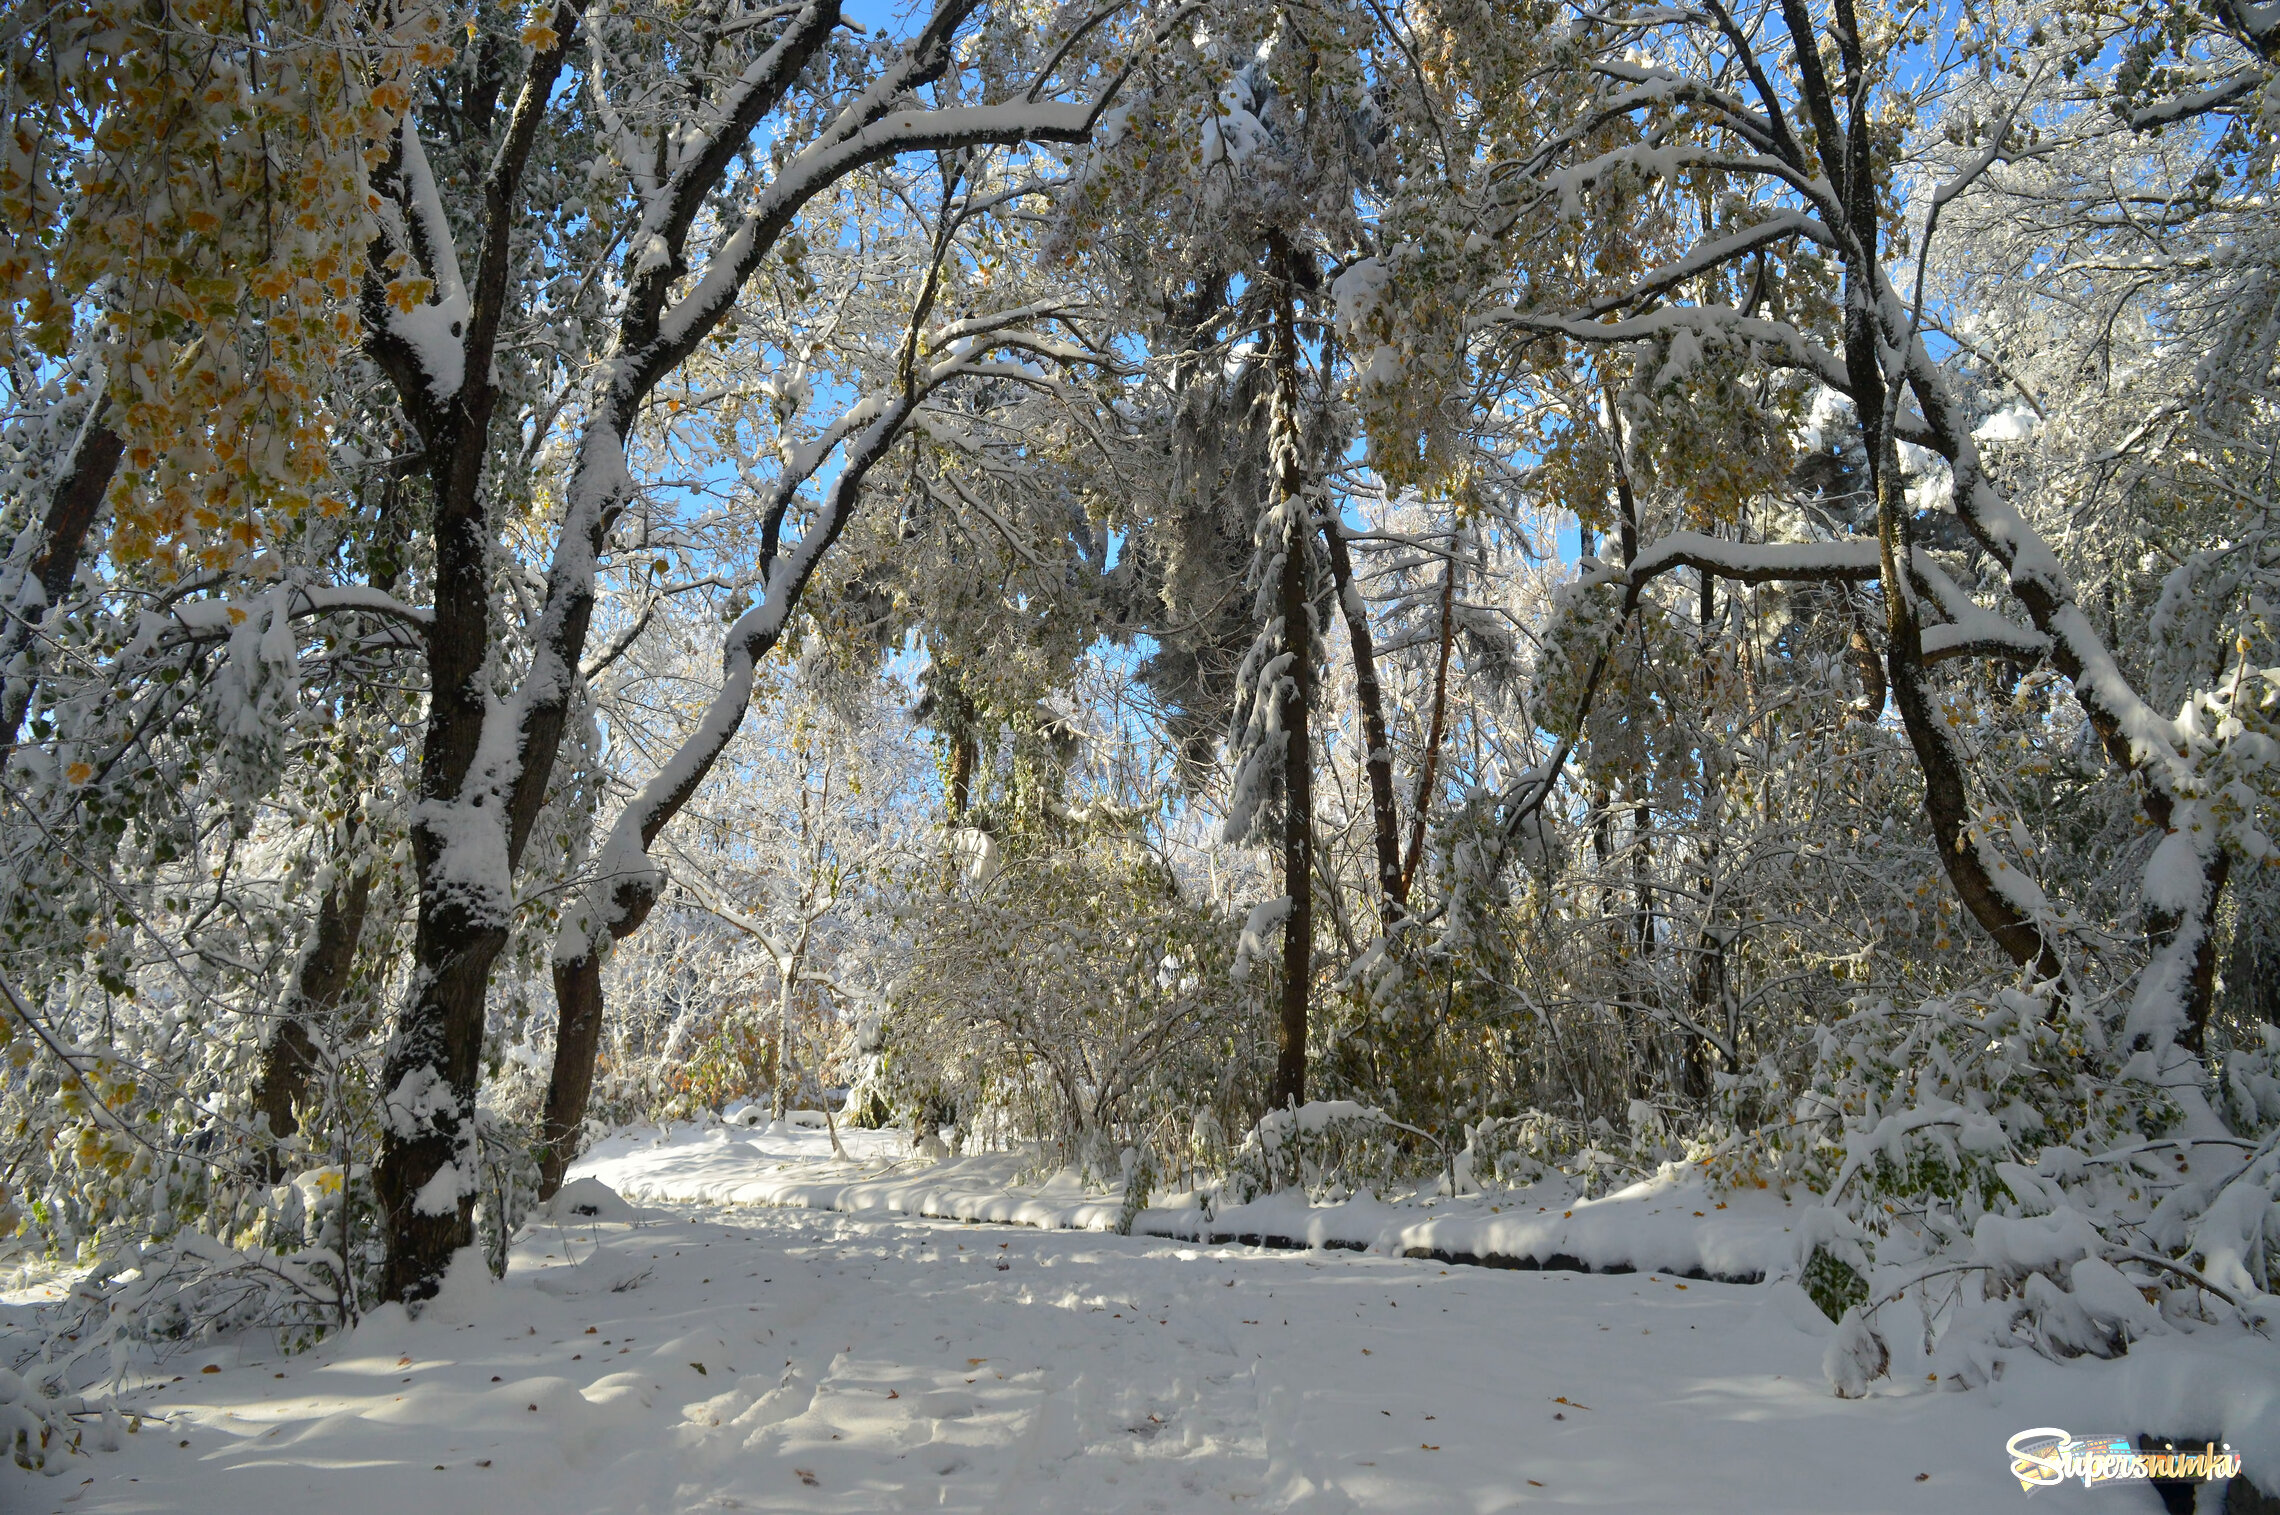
1709,974
1638,1030
1298,835
465,897
962,757
787,975
577,1045
2203,995
1971,868
1874,687
319,980
1947,803
1435,728
1393,885
431,1072
1297,609
617,905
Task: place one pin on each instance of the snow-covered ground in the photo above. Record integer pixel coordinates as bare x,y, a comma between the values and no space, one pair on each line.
706,1358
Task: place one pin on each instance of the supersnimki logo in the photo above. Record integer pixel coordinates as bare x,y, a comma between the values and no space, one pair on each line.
2047,1455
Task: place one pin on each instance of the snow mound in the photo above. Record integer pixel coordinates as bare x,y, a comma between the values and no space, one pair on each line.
587,1199
606,1271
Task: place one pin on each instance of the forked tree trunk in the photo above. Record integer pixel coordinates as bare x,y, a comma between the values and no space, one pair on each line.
1971,866
616,906
476,822
430,1073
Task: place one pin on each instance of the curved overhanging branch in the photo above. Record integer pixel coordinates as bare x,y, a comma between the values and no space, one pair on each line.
2001,897
217,620
488,758
656,336
627,884
2187,873
1842,562
1776,342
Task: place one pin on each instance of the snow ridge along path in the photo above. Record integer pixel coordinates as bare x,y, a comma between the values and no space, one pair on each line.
1672,1224
697,1359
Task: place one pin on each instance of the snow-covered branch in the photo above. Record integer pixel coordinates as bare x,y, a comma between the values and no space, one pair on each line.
205,620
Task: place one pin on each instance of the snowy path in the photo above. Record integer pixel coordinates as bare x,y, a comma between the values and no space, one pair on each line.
780,1360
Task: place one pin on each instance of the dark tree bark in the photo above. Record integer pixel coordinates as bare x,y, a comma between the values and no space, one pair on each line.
432,1068
1866,661
1845,149
1436,726
962,755
577,1048
1377,763
433,1061
1297,610
71,513
290,1060
1707,983
1638,1032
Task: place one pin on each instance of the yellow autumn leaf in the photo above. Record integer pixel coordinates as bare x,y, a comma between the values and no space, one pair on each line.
407,294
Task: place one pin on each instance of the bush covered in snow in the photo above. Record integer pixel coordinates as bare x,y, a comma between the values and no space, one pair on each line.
1996,1173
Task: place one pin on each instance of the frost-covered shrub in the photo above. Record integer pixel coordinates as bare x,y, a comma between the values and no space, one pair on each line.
1334,1149
1994,1175
279,1271
1511,1151
731,1058
1141,1178
34,1425
1331,1148
142,1305
1081,1000
507,1188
